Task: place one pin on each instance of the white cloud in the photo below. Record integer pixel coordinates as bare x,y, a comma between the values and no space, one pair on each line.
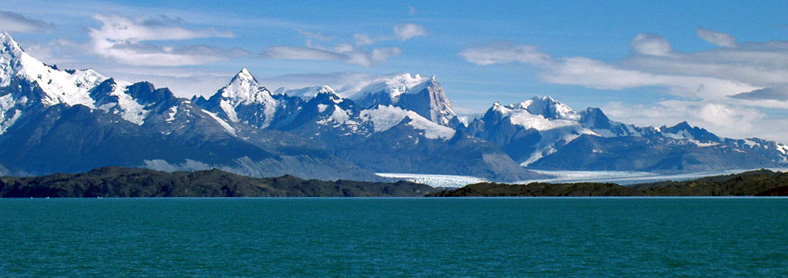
599,75
124,40
340,81
652,44
725,119
346,52
401,32
409,30
300,53
718,38
504,53
342,52
14,22
726,89
314,35
364,39
715,74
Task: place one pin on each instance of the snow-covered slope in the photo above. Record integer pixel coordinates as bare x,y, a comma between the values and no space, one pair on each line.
243,100
542,127
384,117
423,95
58,86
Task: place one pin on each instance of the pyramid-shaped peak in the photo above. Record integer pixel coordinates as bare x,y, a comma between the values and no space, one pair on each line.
682,125
244,75
9,44
244,89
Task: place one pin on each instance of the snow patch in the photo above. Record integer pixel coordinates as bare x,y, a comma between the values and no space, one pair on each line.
703,144
130,109
221,122
384,117
171,114
321,108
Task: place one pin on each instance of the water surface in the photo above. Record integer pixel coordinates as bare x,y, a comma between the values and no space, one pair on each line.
324,237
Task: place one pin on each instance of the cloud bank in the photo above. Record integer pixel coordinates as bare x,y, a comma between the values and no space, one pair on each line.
14,22
725,87
128,41
356,54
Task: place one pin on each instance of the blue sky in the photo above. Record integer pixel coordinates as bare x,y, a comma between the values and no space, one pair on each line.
721,65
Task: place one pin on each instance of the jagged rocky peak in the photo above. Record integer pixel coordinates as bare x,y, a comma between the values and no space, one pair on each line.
421,94
242,100
684,130
244,89
59,86
550,108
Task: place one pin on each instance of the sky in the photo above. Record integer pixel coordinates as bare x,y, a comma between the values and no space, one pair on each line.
720,65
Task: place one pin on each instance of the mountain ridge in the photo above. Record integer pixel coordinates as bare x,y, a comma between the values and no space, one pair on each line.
402,124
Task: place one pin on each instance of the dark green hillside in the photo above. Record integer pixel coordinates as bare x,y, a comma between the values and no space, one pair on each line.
753,183
131,182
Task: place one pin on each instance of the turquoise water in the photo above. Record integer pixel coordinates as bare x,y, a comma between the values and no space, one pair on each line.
517,237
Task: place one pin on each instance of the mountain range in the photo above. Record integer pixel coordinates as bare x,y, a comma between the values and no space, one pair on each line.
54,120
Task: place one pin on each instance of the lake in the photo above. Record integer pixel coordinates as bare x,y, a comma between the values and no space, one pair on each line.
385,237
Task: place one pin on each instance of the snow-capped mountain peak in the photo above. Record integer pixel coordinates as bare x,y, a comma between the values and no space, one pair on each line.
240,100
549,108
418,93
59,86
244,89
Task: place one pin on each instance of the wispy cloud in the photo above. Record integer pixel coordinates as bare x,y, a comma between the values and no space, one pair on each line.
409,30
724,88
314,35
505,53
652,45
14,22
402,32
345,52
730,120
716,74
342,52
126,40
718,38
412,10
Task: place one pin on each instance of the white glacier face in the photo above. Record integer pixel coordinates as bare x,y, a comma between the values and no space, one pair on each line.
127,107
384,117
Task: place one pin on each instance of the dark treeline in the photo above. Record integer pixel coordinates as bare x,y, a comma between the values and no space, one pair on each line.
753,183
132,182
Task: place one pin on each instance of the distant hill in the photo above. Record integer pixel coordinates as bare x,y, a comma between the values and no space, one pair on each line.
132,182
753,183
